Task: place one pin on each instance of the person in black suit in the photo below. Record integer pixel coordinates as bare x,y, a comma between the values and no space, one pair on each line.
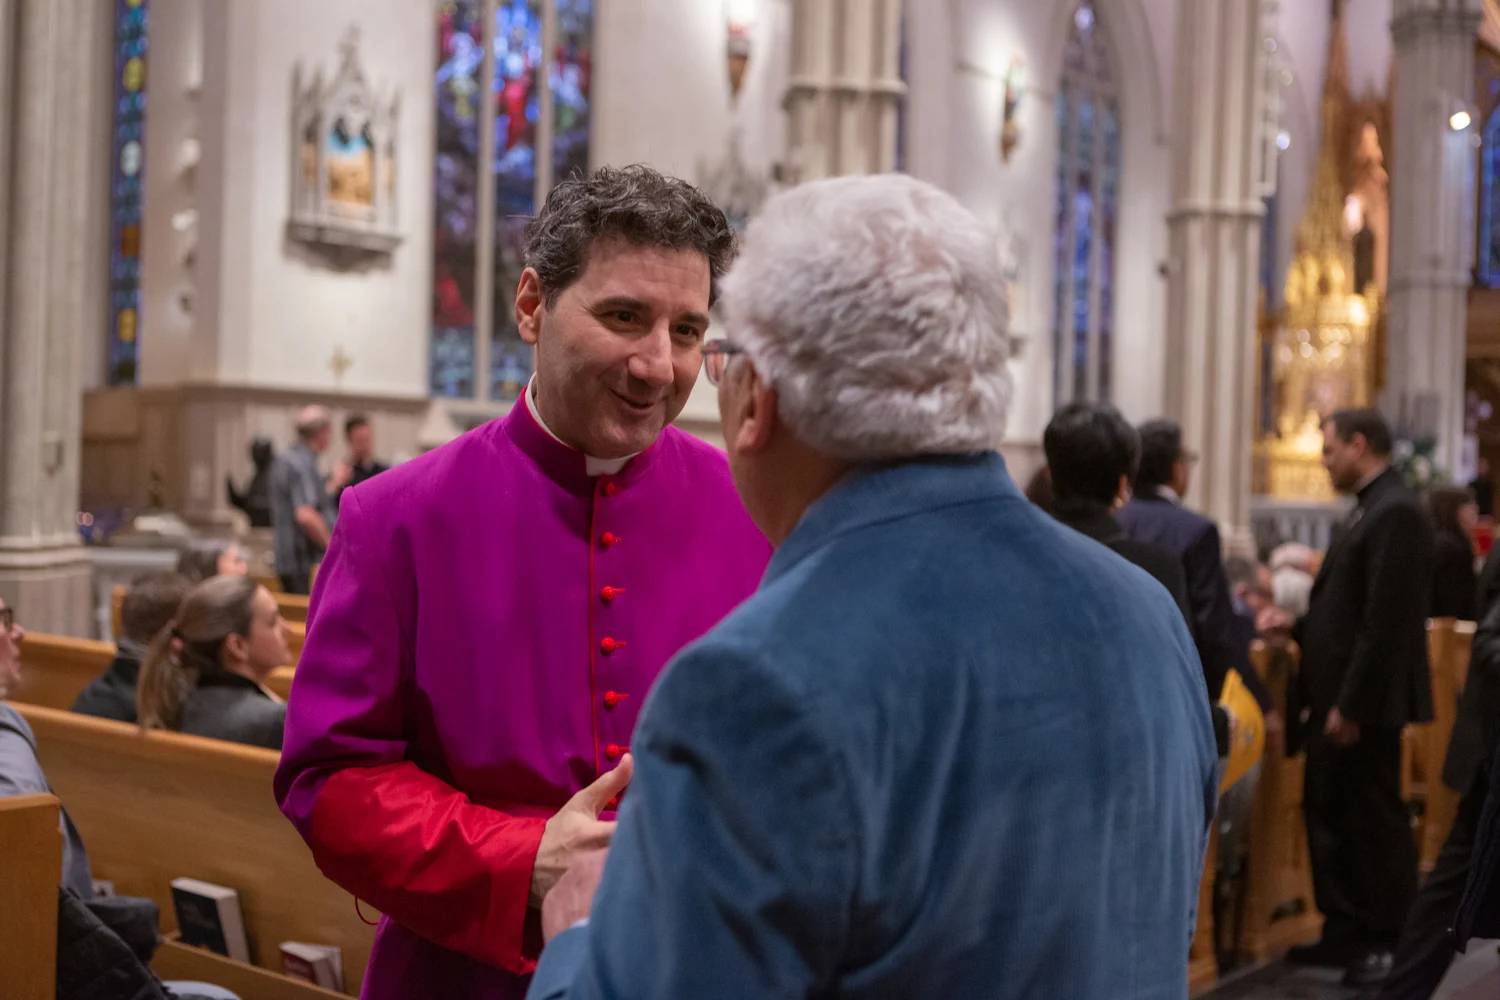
1156,516
1364,676
1455,586
1427,945
1092,454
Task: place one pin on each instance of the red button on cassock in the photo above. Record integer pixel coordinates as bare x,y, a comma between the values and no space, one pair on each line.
609,644
608,594
612,699
608,538
614,751
611,487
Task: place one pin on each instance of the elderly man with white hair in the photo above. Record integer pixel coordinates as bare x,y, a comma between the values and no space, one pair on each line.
950,747
301,512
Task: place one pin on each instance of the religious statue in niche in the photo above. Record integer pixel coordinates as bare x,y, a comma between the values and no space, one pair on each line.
344,159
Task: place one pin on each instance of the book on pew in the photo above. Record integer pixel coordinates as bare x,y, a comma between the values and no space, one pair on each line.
319,964
209,916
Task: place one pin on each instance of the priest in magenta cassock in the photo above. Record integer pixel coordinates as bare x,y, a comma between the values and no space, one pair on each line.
490,616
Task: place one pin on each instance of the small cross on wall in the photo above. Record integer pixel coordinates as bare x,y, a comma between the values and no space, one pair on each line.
339,363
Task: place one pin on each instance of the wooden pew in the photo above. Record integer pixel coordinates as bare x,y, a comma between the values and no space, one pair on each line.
56,668
1449,643
1203,958
293,608
1279,907
155,806
296,637
175,960
29,873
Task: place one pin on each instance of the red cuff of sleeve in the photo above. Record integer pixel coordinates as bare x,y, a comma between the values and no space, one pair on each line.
455,873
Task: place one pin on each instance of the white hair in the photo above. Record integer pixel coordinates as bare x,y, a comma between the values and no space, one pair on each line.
876,308
1291,589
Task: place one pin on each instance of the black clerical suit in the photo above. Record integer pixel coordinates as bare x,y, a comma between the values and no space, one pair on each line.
1364,652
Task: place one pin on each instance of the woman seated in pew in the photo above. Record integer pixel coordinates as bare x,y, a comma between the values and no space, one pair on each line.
205,673
203,560
95,961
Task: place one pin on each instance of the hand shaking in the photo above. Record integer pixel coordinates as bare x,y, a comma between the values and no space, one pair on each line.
576,831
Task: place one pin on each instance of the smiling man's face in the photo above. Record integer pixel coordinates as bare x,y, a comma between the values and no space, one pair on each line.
619,349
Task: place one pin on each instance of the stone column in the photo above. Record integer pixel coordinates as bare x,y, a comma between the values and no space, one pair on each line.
1214,228
1432,219
49,247
846,90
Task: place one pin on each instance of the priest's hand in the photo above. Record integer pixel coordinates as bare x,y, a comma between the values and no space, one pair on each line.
575,830
1341,732
573,896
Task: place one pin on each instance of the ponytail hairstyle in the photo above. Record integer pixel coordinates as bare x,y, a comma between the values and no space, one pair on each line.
189,647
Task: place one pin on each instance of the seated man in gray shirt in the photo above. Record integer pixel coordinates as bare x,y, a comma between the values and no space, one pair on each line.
302,514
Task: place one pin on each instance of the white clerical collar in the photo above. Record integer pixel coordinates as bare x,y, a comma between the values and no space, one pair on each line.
1168,494
591,465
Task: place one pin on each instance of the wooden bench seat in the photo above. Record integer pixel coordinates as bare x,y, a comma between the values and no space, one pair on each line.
293,610
56,668
29,872
155,806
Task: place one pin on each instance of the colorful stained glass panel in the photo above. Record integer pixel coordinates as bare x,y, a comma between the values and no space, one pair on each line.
460,60
1088,198
127,191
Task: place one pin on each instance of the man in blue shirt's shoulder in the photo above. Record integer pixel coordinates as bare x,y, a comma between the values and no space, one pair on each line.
950,747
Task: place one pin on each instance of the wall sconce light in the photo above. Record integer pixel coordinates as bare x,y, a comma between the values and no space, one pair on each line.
739,22
1010,113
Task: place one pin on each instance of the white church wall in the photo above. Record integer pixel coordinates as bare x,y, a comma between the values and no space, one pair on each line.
302,309
957,61
661,96
255,308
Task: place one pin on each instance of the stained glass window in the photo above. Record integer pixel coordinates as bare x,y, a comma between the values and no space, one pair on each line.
1489,215
1088,198
456,188
525,69
126,191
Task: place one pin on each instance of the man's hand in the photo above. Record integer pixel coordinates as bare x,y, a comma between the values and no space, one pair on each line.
343,473
573,896
576,830
1341,732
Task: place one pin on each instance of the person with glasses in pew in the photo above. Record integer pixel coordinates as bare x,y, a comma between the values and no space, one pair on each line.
104,946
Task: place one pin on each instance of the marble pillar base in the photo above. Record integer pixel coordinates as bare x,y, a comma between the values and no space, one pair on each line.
50,588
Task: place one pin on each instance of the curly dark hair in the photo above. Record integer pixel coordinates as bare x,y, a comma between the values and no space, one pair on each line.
635,203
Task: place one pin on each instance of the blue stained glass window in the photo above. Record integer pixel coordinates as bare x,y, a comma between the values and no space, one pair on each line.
1489,214
460,58
1088,197
127,191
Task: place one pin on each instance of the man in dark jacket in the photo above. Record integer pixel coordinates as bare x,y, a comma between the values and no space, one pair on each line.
1092,454
1157,516
1364,676
1426,942
150,603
